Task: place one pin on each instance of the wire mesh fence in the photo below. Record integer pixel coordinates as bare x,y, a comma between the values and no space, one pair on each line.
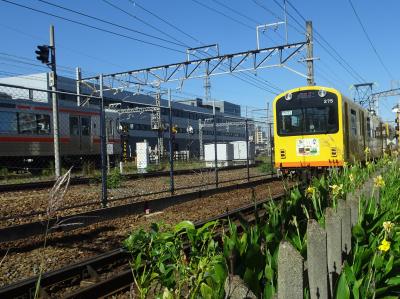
128,148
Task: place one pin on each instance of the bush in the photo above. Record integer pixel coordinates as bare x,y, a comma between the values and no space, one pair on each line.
114,179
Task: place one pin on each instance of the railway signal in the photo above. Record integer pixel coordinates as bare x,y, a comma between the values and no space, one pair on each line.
43,53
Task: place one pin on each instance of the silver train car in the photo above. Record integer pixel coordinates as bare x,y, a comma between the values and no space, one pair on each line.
26,134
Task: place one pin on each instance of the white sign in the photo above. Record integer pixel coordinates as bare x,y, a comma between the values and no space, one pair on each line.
142,155
287,112
307,147
110,149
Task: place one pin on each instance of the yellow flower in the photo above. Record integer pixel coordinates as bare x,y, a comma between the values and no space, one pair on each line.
345,164
367,150
336,189
379,182
387,226
385,246
351,177
310,191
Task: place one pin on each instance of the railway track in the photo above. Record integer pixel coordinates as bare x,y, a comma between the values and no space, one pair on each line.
86,180
80,220
106,274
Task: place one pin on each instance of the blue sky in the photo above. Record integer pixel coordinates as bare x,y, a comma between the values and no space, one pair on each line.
232,27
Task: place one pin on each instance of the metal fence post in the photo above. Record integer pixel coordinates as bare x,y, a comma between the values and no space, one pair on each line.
270,147
171,150
103,147
215,150
247,148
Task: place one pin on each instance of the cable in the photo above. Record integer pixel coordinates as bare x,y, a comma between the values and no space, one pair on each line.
349,68
370,41
109,23
192,37
92,27
237,12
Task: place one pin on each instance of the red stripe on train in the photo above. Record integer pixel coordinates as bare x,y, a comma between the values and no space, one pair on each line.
32,139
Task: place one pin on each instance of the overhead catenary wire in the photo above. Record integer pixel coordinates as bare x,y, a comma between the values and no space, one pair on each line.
317,37
93,27
370,41
254,81
109,23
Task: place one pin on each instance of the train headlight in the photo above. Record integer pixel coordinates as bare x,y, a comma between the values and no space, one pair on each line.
322,93
288,96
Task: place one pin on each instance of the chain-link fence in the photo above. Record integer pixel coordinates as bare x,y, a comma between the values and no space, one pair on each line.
125,148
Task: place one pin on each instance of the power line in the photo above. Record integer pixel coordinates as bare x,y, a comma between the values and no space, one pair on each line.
370,41
92,27
261,81
318,36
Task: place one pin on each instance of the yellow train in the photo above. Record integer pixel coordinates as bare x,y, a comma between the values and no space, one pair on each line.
317,126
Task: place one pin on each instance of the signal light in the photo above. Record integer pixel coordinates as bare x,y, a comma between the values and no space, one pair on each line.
43,54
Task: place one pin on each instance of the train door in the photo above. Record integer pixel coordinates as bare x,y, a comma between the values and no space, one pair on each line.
80,128
346,131
74,133
85,140
362,128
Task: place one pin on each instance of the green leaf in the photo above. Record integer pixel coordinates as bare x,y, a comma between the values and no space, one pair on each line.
393,281
356,288
206,291
184,225
342,291
250,278
269,291
389,265
138,261
358,233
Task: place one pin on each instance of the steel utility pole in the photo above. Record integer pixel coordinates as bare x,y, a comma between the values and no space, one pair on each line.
310,57
53,83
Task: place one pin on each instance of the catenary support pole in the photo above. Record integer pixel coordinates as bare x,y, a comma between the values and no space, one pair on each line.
171,148
78,86
215,146
103,147
247,149
270,146
53,83
310,57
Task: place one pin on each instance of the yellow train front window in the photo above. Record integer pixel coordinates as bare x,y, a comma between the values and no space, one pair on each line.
307,115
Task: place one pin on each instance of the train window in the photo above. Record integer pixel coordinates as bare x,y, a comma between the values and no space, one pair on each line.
8,122
74,125
353,122
85,126
27,123
369,127
43,123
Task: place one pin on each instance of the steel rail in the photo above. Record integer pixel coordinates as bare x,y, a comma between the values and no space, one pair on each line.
91,269
71,222
82,180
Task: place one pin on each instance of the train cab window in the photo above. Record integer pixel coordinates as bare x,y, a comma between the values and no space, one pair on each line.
353,122
85,126
110,128
43,123
8,122
74,125
27,123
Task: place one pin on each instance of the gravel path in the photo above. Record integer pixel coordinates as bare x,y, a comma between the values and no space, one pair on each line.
23,257
25,202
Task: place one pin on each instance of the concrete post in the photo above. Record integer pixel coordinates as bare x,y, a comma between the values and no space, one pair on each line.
290,272
317,260
345,213
353,202
333,226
